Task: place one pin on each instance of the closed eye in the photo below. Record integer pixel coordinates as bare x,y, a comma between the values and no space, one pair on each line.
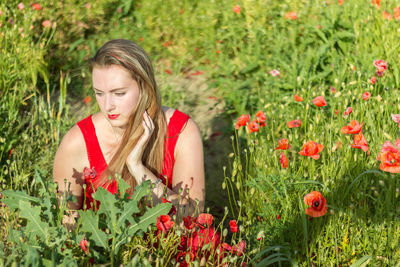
120,94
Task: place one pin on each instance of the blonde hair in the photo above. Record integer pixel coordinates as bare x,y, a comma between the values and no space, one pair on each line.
134,59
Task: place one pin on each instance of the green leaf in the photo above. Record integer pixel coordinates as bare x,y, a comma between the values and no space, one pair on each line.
278,257
14,236
34,223
107,205
267,250
128,210
362,262
140,191
122,187
75,44
131,206
15,196
90,224
47,203
150,217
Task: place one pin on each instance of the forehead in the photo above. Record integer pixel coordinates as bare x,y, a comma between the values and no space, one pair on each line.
109,77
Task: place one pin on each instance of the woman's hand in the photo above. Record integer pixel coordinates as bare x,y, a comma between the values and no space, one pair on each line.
134,160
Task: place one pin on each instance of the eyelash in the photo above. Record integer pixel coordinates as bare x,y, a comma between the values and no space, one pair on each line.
117,94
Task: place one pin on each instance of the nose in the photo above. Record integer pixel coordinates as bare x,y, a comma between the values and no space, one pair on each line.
109,103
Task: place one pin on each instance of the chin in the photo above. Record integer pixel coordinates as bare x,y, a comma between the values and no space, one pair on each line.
117,123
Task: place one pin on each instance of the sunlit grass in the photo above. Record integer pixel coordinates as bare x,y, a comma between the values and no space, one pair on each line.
44,80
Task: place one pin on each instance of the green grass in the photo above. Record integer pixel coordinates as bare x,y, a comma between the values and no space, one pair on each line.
43,75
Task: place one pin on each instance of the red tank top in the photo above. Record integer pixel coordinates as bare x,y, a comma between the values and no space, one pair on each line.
98,164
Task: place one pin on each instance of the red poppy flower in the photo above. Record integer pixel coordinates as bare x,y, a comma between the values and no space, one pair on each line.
89,173
381,65
233,226
348,111
275,73
294,123
200,238
390,157
260,118
36,6
319,101
253,127
204,219
353,128
396,118
87,99
164,223
189,222
240,248
386,15
284,160
46,23
283,144
226,246
336,112
317,204
168,71
396,13
372,80
311,149
366,95
291,15
12,150
199,72
360,142
340,2
84,245
168,43
236,9
297,98
376,3
278,217
242,121
333,89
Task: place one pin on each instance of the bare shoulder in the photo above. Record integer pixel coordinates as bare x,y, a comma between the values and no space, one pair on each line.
73,141
191,128
71,155
189,138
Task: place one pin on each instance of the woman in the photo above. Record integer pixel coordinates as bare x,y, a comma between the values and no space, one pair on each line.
132,135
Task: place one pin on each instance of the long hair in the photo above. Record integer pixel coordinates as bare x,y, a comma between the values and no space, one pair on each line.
135,60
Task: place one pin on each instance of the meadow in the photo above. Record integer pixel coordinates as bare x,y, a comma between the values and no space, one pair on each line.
309,92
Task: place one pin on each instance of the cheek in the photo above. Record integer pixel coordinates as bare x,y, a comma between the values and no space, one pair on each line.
130,103
99,102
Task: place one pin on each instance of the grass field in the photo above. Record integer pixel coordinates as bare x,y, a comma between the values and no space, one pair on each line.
293,98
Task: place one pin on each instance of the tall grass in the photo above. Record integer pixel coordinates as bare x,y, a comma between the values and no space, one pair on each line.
43,75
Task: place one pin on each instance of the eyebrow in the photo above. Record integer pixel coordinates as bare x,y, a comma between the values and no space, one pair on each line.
113,90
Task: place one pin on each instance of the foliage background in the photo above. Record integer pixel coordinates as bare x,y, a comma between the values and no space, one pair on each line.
44,79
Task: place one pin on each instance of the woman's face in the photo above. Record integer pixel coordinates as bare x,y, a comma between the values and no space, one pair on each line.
116,93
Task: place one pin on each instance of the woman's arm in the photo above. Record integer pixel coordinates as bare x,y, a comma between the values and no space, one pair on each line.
68,165
188,174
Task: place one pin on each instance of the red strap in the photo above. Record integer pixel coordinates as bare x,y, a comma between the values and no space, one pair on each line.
175,126
95,155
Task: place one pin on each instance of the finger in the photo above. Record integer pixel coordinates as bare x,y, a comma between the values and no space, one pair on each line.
145,127
149,121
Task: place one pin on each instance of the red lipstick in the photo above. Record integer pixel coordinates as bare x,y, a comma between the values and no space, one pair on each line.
113,117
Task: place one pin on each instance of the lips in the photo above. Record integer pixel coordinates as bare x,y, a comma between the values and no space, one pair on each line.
113,117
